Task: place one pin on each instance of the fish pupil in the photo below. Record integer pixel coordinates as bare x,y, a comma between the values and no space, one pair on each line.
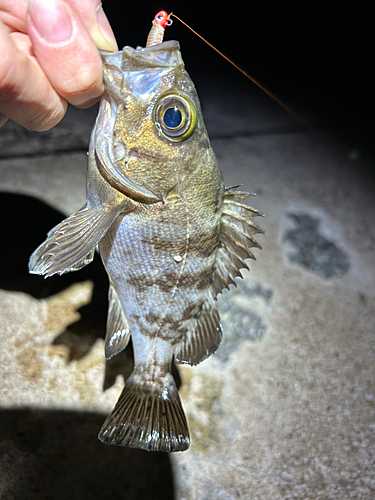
172,117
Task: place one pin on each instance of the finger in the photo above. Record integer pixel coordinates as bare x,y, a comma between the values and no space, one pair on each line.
26,95
65,51
3,120
95,21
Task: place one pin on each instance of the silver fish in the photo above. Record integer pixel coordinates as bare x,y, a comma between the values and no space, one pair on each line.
170,236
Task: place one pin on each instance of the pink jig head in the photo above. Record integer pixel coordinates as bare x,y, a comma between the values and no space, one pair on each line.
156,35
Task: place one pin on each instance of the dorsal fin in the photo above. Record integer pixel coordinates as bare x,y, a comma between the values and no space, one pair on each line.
236,239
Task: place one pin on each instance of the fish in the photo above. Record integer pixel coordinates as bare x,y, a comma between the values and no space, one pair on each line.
171,237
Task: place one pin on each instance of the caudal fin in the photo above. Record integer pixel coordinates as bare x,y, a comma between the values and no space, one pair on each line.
149,416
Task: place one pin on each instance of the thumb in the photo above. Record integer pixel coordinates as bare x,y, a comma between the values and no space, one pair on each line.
65,51
95,21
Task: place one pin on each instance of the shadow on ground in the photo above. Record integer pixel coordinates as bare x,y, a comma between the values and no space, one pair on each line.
25,222
56,454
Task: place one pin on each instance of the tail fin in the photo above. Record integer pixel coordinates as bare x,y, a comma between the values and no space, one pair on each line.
148,415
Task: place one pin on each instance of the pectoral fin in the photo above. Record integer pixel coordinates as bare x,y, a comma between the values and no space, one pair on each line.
118,329
71,244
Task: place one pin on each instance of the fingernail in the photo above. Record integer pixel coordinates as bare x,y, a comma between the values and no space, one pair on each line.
51,19
102,33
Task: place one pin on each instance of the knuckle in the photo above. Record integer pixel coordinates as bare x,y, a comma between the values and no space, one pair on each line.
42,120
3,120
84,87
9,81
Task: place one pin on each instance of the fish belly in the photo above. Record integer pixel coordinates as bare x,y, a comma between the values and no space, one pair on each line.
159,259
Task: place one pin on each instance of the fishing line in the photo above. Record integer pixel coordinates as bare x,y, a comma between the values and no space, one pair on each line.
252,79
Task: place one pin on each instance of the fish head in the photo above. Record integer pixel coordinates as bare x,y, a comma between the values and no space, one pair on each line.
152,117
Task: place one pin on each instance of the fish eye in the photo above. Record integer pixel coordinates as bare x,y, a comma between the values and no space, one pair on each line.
172,117
175,115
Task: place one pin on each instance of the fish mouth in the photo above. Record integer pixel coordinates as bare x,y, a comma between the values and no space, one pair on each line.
118,179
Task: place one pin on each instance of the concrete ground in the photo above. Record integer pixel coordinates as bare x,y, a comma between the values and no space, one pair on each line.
286,407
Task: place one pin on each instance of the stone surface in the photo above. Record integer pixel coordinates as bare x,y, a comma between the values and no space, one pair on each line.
284,410
72,134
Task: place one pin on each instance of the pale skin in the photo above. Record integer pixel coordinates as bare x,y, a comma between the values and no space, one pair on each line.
49,58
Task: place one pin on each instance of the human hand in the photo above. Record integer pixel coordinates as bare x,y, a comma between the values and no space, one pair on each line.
49,58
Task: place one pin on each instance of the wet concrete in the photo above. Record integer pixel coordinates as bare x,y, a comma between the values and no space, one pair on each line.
285,409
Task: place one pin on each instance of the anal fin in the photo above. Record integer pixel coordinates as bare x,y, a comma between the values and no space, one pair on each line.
71,244
118,329
203,336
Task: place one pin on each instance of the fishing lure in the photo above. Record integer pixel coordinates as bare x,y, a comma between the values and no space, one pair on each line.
170,235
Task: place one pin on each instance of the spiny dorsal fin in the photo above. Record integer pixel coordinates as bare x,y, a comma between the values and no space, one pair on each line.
237,229
203,337
236,239
118,329
71,244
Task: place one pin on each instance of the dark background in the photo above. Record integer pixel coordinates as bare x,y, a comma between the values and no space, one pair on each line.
317,57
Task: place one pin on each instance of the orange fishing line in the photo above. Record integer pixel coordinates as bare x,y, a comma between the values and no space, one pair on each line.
268,92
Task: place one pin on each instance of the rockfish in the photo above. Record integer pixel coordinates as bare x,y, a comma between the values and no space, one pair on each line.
170,236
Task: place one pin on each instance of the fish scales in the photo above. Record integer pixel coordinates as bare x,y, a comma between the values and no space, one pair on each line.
170,236
148,240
